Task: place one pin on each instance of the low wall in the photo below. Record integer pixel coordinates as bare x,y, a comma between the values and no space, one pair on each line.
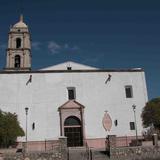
36,156
96,143
99,143
135,153
58,153
149,143
40,146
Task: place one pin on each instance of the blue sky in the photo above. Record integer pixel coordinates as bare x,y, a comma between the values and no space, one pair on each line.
102,33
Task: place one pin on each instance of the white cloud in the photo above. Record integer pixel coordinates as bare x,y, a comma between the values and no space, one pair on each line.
66,46
75,48
54,47
36,45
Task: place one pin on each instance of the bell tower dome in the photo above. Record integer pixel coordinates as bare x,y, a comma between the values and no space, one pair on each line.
19,48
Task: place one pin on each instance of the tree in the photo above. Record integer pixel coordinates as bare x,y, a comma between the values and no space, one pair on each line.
9,129
151,114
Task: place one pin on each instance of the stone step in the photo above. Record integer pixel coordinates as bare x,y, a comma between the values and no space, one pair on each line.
99,155
77,148
77,154
81,153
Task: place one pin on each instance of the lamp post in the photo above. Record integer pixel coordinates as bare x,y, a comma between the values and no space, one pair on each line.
26,109
134,111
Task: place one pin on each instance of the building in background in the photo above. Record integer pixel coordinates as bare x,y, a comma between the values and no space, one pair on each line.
69,99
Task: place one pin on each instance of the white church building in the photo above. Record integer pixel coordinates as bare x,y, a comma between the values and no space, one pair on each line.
83,103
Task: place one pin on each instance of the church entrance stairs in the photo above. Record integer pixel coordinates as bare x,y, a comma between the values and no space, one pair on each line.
99,155
82,153
77,153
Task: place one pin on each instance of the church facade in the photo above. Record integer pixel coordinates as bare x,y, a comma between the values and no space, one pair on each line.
83,103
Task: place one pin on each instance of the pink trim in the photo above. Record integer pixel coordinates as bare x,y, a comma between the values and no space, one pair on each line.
39,145
96,143
103,143
68,109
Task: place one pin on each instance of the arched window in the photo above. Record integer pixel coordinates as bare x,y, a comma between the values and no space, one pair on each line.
17,61
72,121
18,43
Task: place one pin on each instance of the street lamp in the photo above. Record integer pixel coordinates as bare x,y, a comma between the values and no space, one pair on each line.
134,110
26,109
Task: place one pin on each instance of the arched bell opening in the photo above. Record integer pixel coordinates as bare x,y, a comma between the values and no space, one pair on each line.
17,61
18,42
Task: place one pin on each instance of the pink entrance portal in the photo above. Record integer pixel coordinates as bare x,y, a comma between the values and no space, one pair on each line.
72,123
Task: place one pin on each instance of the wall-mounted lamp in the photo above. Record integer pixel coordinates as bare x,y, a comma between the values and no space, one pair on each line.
108,79
29,80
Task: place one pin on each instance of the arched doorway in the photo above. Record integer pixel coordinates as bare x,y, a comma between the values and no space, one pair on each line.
73,131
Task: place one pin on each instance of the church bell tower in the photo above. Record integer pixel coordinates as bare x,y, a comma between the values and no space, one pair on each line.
18,56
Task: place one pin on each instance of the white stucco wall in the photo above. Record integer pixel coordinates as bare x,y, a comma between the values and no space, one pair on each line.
48,91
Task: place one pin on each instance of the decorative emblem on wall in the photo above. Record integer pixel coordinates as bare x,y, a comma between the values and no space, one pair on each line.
107,121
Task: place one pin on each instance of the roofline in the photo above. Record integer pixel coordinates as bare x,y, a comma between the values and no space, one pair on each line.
70,71
69,62
74,101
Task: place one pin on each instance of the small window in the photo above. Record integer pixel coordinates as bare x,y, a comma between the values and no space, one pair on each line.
71,93
129,91
17,61
132,126
18,43
69,68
